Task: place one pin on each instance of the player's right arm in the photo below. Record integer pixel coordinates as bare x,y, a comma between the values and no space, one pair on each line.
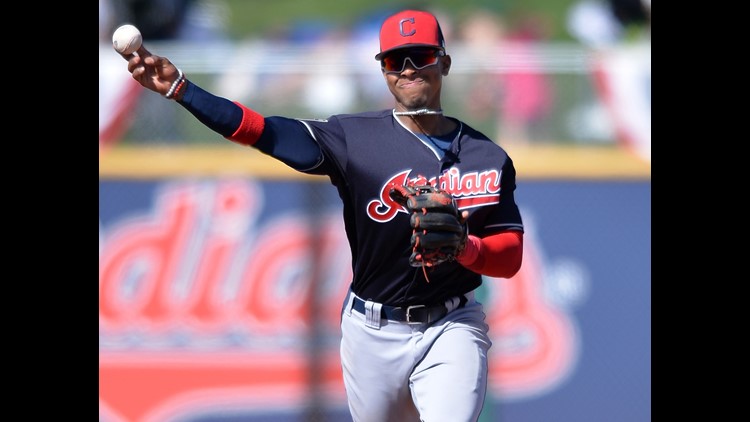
282,138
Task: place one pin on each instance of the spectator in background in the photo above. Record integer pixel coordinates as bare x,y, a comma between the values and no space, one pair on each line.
593,24
516,94
527,91
325,74
482,38
618,32
328,89
603,23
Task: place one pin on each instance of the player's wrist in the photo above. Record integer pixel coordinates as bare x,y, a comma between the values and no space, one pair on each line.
176,86
180,91
470,252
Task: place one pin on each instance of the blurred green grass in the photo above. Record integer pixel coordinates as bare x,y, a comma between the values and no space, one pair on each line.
250,18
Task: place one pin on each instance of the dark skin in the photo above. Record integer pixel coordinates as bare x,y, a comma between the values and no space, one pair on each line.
415,89
153,72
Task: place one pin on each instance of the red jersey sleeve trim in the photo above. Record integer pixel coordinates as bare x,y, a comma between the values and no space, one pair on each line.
499,255
250,128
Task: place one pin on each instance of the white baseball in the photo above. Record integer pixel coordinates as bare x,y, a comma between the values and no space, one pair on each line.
126,39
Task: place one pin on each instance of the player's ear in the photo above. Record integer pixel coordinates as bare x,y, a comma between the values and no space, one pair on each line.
446,64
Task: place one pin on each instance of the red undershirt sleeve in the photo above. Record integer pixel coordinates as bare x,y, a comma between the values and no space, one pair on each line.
499,255
250,128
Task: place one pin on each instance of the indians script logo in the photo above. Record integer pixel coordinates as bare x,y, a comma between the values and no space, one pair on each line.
208,305
470,190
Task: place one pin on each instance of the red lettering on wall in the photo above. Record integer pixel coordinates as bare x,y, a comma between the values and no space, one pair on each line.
141,260
200,265
535,343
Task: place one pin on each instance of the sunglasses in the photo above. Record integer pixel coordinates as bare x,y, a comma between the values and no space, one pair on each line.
396,61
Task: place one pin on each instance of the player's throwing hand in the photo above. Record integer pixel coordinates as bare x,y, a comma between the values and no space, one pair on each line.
154,72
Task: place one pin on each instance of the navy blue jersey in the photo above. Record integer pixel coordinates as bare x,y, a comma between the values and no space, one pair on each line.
363,154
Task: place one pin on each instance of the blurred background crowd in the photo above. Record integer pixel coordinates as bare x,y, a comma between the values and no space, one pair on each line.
525,72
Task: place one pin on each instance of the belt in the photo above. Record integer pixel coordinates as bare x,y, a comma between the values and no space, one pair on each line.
414,314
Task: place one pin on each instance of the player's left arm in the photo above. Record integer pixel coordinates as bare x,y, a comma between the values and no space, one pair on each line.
498,254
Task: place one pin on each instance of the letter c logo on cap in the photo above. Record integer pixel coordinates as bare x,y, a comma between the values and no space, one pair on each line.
401,27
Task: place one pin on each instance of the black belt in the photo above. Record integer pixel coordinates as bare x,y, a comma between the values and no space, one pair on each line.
414,314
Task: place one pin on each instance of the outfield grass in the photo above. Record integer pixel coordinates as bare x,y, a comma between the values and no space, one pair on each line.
250,18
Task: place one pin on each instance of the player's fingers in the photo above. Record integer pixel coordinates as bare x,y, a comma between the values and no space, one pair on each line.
464,216
151,59
137,63
436,221
142,51
400,193
126,56
161,65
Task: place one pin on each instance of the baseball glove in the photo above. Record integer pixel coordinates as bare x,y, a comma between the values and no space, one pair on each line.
439,231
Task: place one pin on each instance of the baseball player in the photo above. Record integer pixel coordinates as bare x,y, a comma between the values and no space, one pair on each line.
414,339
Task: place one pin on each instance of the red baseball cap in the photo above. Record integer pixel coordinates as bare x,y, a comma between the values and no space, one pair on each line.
410,28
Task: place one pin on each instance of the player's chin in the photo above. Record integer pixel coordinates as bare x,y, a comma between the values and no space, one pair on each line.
414,101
